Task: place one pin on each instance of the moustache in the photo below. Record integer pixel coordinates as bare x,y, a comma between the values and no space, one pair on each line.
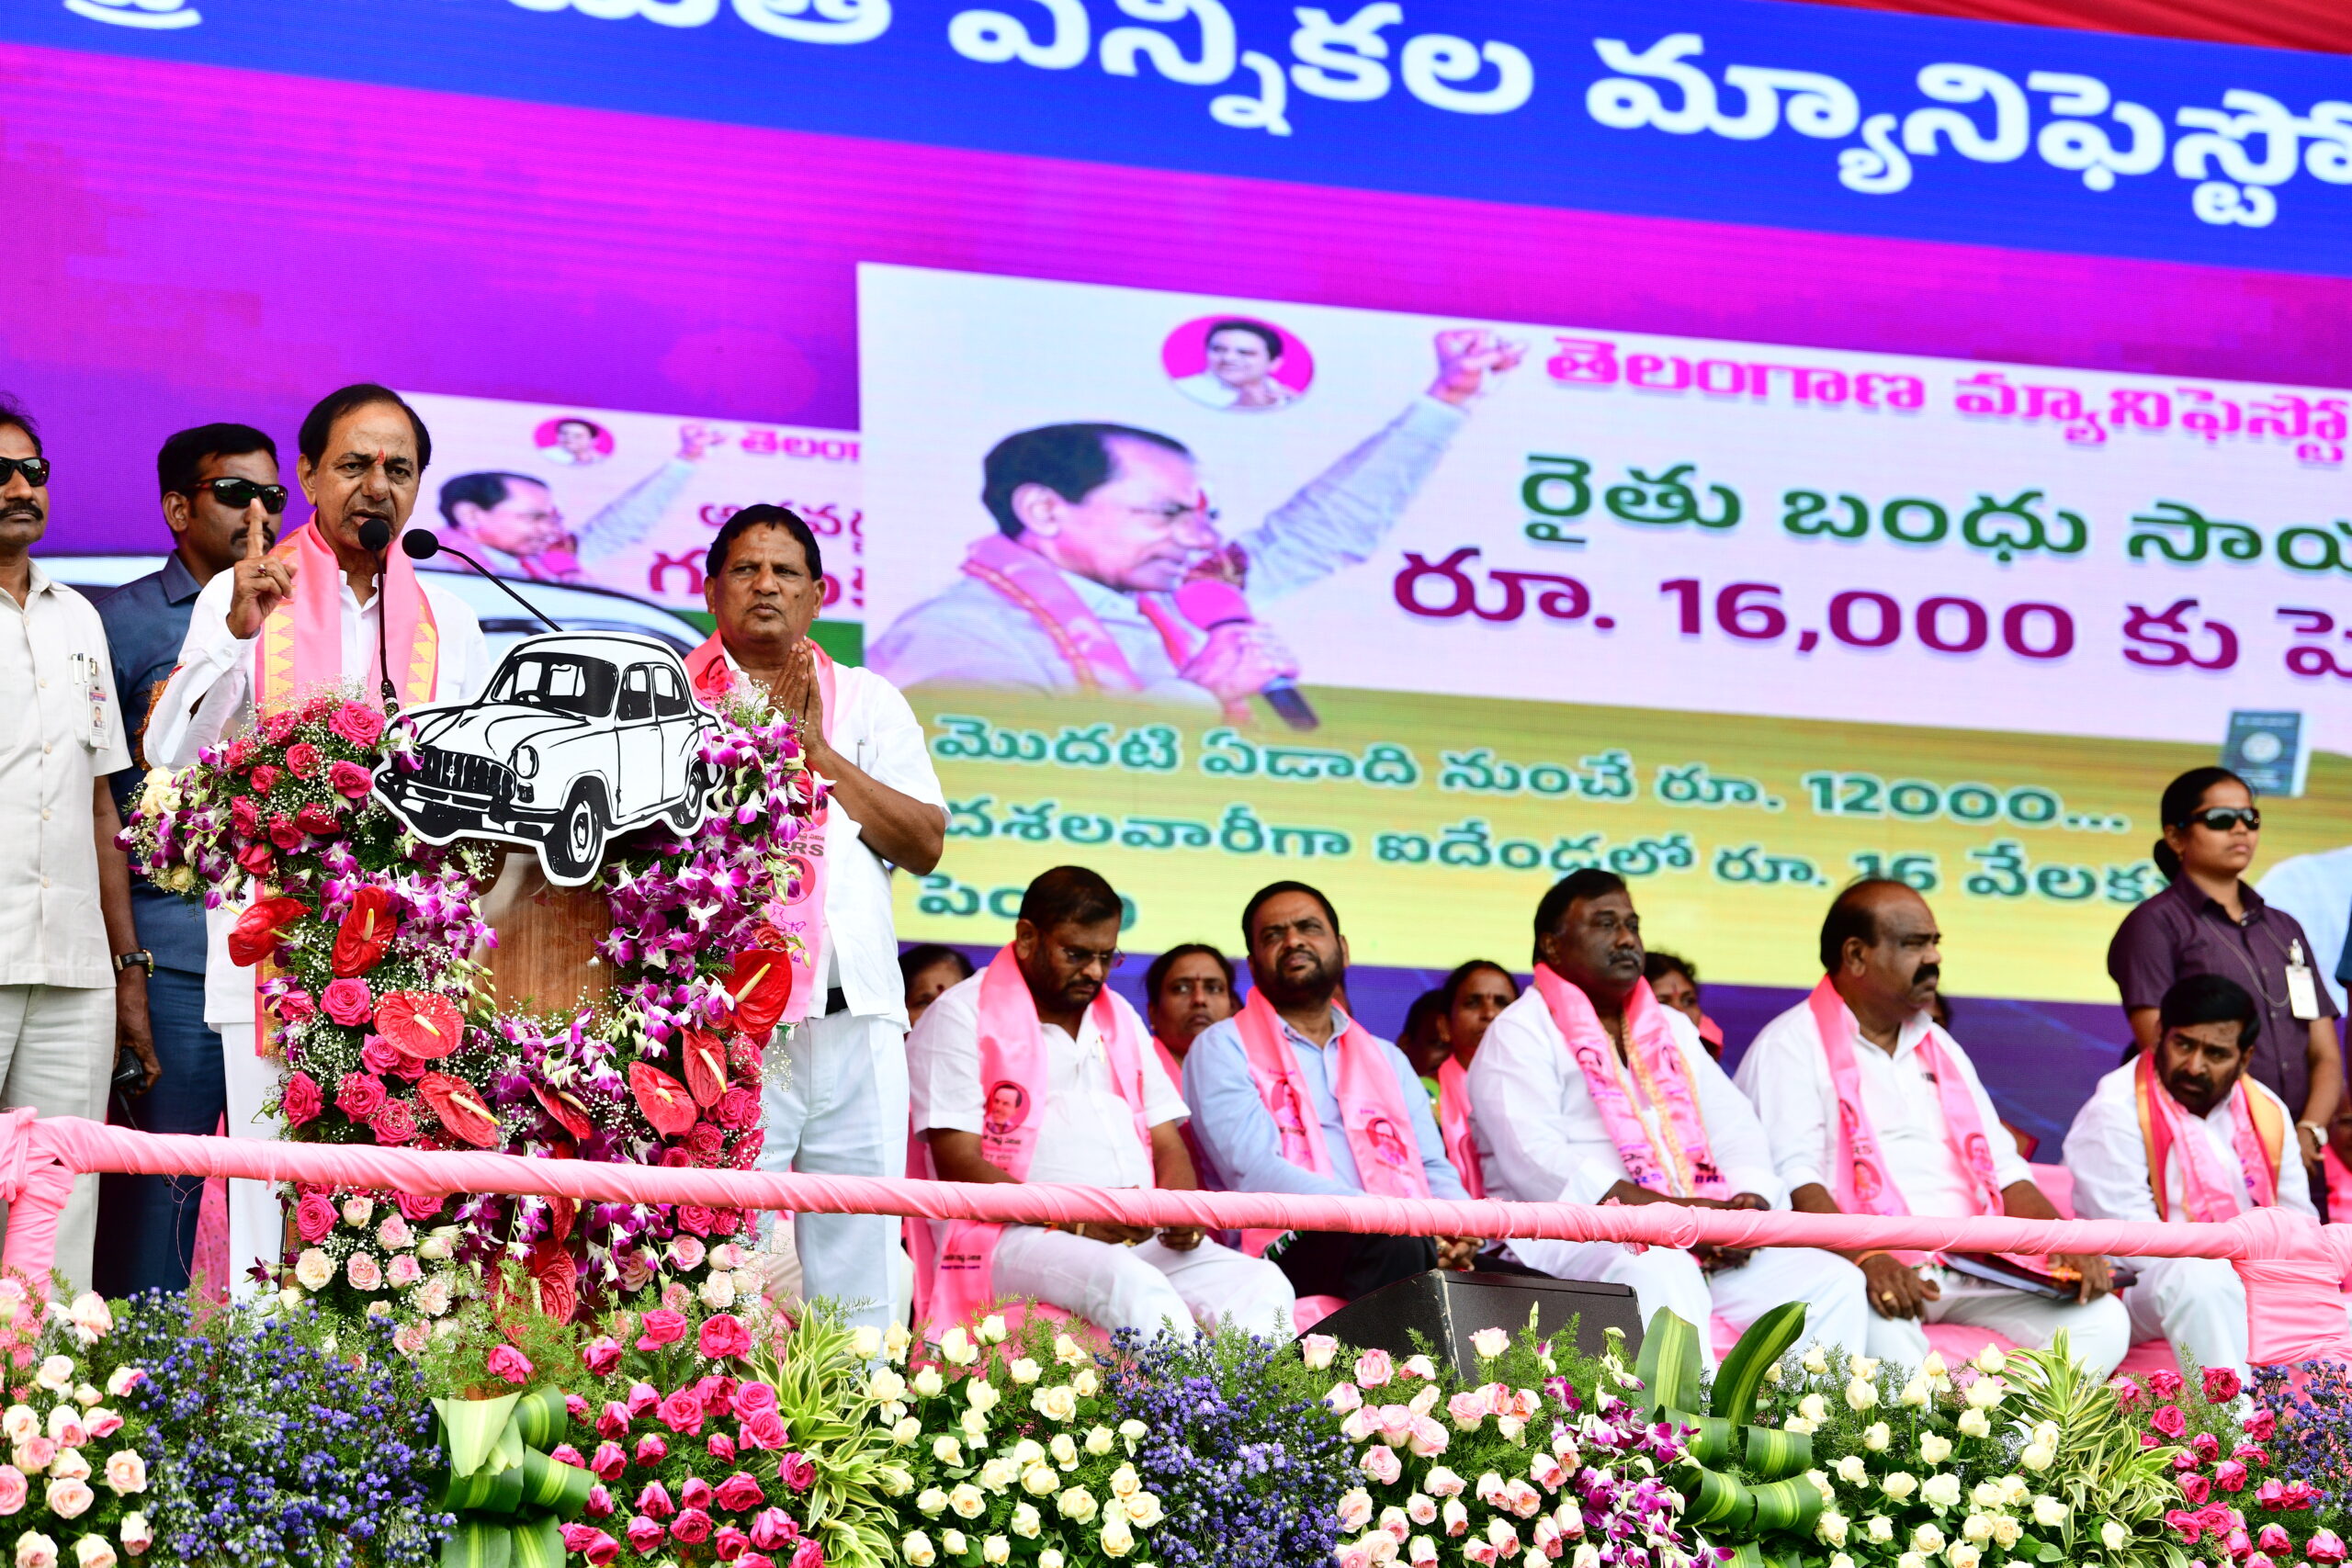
1927,974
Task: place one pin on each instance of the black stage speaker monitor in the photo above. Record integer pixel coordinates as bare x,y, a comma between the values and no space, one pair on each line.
1446,1308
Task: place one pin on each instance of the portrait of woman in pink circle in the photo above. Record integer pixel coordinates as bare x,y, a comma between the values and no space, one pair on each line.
1237,363
574,440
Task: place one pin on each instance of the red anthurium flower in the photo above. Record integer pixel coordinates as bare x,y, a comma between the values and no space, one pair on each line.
663,1100
565,1107
419,1025
557,1282
255,936
705,1064
366,931
462,1108
760,986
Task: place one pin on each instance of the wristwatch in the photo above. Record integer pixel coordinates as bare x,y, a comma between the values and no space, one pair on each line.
142,959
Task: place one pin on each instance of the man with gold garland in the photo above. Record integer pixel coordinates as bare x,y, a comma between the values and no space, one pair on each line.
1036,1070
280,625
835,1097
1587,1089
2183,1133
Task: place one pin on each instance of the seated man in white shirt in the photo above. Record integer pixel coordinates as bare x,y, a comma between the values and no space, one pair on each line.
2182,1134
1587,1089
1871,1109
1034,1070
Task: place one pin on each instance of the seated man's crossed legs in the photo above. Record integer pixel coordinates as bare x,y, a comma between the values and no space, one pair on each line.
1143,1287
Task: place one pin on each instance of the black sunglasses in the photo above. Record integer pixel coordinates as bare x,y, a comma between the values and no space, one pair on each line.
2222,818
35,469
238,494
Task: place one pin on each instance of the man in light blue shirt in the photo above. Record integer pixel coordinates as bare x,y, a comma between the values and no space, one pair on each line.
1297,959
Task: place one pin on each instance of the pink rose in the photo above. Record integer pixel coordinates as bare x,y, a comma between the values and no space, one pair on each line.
808,1555
663,1326
740,1492
360,1095
300,1101
105,1424
753,1398
2164,1384
2326,1547
36,1454
505,1361
796,1470
642,1397
2230,1476
257,861
774,1527
302,759
654,1503
357,723
349,780
2167,1419
244,815
644,1535
1375,1369
348,1002
564,1453
588,1542
695,1218
721,1447
2275,1538
277,727
613,1420
377,1055
1380,1463
2195,1489
691,1527
293,1004
265,778
601,1357
729,1544
764,1429
695,1493
14,1489
2262,1425
600,1501
2206,1447
607,1462
364,1272
394,1122
313,1217
315,819
681,1412
724,1337
652,1450
738,1108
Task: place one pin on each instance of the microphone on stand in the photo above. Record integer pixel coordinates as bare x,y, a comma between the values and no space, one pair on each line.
420,545
376,538
1210,602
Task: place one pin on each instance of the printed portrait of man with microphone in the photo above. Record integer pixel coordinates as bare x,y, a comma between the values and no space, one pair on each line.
1109,571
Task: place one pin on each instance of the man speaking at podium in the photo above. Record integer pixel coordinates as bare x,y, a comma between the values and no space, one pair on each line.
311,614
836,1104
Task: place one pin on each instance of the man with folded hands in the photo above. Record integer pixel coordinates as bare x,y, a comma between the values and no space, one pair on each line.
1033,1070
2182,1132
1587,1089
1872,1109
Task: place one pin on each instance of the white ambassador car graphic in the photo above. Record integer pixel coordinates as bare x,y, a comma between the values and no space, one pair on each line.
578,735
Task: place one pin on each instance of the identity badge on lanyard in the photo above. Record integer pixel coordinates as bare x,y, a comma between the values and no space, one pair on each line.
2302,992
89,685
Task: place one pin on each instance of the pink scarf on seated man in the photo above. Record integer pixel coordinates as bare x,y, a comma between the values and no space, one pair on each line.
803,914
1371,1100
1685,1165
954,1281
1863,1186
1454,1125
2257,1131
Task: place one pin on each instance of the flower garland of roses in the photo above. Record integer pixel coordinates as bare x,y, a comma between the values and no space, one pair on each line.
73,1489
368,935
2263,1470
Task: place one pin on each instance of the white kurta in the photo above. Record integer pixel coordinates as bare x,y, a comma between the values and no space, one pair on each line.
1542,1140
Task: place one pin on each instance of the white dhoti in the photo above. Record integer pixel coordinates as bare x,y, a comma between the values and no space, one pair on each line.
1835,1312
2098,1335
1145,1287
835,1101
257,1219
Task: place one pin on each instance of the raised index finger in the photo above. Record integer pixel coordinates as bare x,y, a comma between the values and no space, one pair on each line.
253,549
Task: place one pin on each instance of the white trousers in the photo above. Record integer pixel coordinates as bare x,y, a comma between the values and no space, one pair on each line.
2098,1335
835,1100
1144,1286
1831,1288
56,1055
257,1219
2198,1303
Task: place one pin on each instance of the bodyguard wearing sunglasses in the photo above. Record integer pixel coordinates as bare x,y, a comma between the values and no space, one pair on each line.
73,985
2209,922
220,486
